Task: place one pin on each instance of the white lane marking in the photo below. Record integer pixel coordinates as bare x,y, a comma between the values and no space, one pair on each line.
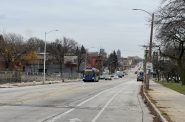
58,116
72,109
105,106
75,120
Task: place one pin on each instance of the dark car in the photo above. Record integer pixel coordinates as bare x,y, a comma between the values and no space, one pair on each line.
140,76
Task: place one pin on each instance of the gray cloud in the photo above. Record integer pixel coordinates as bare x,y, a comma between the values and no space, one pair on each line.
2,16
110,24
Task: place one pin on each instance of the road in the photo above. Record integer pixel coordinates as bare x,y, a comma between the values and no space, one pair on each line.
116,100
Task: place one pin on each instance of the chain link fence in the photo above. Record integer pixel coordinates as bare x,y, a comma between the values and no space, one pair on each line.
15,76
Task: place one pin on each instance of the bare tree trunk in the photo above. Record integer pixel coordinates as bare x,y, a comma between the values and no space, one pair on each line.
182,76
78,65
182,71
78,68
8,65
61,70
157,75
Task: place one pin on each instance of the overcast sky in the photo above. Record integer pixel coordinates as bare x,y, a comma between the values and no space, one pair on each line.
108,24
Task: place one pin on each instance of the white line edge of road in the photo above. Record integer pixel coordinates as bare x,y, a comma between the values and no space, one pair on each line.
72,109
105,106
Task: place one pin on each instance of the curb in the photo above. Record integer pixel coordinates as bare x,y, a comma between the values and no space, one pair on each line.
152,107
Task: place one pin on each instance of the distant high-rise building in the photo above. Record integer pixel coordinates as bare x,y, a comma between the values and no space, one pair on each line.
119,54
103,53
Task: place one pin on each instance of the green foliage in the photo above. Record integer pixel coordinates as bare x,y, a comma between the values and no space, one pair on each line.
81,54
83,50
112,62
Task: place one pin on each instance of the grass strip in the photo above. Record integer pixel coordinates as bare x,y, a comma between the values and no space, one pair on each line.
174,86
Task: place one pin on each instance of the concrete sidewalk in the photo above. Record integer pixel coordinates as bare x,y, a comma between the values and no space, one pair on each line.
169,102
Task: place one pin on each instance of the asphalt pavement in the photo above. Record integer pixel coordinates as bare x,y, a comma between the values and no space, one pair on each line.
116,100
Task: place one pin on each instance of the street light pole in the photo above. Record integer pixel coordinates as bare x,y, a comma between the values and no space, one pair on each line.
45,54
44,59
151,38
147,77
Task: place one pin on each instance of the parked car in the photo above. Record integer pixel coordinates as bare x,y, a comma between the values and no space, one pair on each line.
116,77
108,77
125,73
112,75
120,74
140,76
102,76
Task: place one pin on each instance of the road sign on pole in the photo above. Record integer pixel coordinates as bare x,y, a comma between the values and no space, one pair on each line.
149,66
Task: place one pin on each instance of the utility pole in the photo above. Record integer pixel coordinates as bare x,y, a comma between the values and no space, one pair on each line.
149,61
144,63
151,38
150,53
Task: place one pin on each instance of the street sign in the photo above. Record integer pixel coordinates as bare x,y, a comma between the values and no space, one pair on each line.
149,66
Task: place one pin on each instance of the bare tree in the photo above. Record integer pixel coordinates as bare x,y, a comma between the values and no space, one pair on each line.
81,54
60,48
171,29
36,44
12,49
